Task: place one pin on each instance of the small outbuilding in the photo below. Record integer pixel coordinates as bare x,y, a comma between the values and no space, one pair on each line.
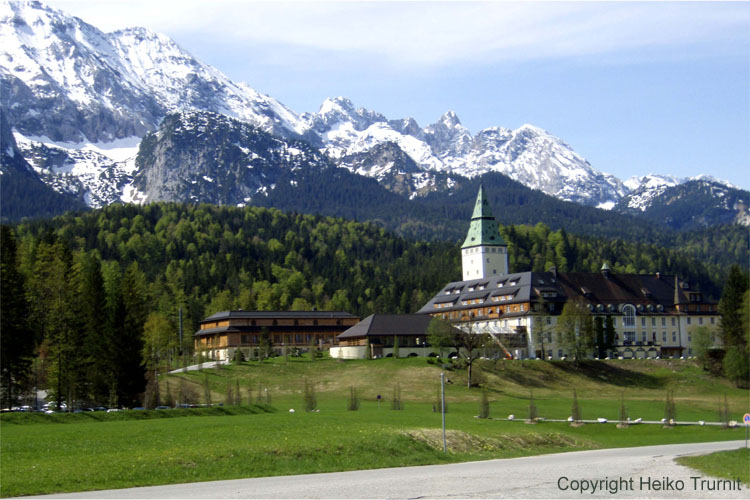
379,333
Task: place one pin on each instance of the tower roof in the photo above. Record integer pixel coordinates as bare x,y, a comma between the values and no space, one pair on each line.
483,229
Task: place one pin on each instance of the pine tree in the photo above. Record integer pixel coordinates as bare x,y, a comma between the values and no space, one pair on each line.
670,412
731,306
311,402
623,411
206,391
249,393
17,345
96,336
575,410
532,408
484,405
352,403
396,403
439,406
168,399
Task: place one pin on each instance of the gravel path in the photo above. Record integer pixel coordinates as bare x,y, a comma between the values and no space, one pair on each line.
615,473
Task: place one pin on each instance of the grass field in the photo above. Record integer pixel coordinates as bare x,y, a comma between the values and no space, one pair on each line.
95,451
733,464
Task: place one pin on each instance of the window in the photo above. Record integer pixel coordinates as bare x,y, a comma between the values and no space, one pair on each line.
653,321
690,337
663,336
700,321
643,321
664,322
674,337
688,321
673,322
712,321
629,337
628,319
549,320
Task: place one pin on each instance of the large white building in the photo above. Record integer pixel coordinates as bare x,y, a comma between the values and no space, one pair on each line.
652,315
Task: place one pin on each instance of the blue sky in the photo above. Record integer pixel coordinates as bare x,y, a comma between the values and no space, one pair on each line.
635,88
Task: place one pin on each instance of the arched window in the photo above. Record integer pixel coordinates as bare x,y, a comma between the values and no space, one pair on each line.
628,313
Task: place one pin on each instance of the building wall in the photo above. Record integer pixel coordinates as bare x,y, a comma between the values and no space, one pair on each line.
663,335
483,261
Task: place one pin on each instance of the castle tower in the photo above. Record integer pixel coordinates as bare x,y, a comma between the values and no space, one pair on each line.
484,253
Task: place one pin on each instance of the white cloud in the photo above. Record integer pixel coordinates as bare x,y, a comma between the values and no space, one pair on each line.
435,33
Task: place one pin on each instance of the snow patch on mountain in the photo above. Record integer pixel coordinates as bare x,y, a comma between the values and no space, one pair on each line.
82,171
63,71
529,154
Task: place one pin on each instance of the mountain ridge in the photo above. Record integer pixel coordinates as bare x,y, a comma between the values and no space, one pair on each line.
75,84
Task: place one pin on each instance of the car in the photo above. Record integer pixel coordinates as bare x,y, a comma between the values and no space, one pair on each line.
163,408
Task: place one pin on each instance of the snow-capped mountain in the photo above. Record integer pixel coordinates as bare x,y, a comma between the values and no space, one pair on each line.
206,157
688,203
82,103
71,82
529,154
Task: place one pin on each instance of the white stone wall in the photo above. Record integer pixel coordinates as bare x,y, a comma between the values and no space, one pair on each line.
484,262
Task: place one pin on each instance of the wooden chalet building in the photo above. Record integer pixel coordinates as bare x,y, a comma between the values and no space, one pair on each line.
222,333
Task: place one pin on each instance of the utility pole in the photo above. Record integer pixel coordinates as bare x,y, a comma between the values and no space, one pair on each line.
180,331
442,408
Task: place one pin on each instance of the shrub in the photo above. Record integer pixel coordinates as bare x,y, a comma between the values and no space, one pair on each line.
352,403
532,407
396,403
484,405
311,402
575,410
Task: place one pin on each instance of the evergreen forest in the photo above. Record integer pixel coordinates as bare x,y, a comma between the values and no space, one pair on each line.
87,293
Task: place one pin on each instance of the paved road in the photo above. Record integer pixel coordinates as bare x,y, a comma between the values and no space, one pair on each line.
627,471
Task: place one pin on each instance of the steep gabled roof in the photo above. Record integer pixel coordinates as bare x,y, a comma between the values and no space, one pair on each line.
389,324
483,229
279,315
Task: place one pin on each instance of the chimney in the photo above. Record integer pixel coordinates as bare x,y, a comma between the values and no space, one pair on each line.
605,270
553,270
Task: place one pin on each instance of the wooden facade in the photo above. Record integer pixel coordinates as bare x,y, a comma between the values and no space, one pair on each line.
220,334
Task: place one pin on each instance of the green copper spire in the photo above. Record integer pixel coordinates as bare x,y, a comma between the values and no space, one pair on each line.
483,229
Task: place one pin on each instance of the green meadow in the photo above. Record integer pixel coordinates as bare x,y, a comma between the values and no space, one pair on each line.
89,451
734,464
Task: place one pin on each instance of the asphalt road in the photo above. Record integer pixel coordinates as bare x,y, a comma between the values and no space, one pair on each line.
616,473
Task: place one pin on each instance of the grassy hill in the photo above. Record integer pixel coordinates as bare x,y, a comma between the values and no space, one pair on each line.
600,385
89,451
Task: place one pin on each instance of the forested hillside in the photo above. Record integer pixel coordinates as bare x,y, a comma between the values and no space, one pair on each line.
99,284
